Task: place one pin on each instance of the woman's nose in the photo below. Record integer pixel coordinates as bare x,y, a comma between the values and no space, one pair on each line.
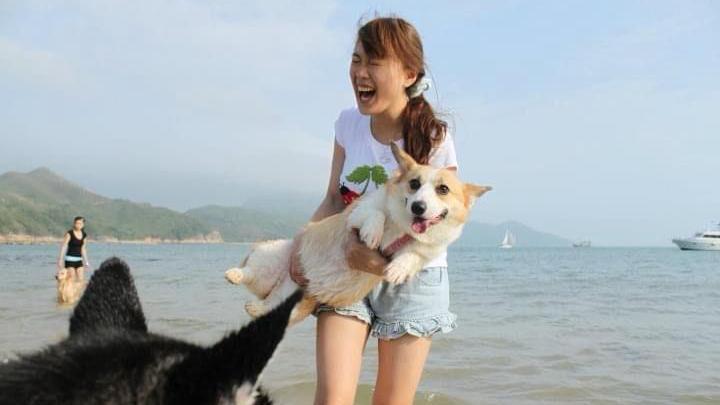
361,72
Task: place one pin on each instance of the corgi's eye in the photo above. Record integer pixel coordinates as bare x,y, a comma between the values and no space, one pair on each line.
442,189
414,184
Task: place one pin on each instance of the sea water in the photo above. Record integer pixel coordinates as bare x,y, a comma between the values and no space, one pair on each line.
598,325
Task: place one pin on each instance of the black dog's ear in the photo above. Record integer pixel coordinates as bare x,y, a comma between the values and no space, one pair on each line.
110,301
230,369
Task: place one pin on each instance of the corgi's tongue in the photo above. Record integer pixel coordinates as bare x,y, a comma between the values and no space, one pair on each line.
420,225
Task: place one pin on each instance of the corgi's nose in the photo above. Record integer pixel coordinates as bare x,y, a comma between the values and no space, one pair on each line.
418,207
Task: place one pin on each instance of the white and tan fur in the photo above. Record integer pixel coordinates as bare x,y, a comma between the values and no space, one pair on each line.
68,289
381,217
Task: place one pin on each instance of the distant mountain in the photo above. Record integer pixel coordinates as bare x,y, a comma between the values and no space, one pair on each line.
479,234
41,203
295,204
239,224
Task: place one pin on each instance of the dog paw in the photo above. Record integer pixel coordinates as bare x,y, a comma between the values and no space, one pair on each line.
234,276
255,309
371,232
396,273
355,219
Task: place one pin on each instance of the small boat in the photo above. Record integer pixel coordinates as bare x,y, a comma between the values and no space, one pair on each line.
706,240
508,241
582,244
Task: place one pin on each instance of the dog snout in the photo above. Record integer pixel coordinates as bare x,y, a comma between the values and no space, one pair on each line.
418,207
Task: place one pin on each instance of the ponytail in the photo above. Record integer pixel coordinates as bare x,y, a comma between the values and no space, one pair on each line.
422,129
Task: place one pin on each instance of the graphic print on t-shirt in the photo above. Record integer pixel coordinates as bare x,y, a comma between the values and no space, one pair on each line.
363,175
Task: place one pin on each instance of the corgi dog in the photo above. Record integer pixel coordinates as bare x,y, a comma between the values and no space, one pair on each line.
412,219
68,289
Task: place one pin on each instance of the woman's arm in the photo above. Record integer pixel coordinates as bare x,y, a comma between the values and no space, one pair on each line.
332,203
63,250
86,260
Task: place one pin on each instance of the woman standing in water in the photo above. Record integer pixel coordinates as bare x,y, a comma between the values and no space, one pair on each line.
388,78
73,252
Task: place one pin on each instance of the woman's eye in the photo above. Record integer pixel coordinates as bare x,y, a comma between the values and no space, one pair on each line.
414,184
442,189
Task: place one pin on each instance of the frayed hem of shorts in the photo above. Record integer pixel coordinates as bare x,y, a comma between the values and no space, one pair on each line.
344,312
416,327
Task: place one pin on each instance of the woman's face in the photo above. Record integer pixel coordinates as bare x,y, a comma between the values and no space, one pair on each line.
79,224
379,84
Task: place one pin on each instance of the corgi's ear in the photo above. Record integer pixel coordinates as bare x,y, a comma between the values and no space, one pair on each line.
405,161
473,191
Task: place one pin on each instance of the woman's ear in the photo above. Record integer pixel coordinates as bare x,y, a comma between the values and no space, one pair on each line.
410,78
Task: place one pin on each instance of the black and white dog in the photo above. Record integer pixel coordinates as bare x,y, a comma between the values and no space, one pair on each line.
111,358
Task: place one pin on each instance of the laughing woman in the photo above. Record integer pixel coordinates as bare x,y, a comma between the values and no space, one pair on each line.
388,78
73,252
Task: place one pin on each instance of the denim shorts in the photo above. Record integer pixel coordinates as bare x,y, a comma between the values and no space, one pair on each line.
418,307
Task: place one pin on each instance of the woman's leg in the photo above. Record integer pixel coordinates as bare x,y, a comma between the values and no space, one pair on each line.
79,276
70,273
339,349
399,369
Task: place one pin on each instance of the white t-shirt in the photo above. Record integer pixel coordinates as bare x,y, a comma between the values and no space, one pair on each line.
369,163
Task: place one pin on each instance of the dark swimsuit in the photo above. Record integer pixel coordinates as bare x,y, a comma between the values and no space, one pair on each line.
74,250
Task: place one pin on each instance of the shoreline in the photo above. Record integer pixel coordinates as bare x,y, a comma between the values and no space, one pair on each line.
22,239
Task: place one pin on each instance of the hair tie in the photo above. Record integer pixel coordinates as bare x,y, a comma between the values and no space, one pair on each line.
419,87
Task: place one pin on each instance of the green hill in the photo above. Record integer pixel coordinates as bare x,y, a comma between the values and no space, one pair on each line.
41,203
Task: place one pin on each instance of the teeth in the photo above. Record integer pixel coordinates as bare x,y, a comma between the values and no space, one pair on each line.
361,88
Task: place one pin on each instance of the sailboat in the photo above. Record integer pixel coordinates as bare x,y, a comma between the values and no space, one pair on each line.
508,241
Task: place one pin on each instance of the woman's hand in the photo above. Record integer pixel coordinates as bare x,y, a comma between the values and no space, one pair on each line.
362,258
295,267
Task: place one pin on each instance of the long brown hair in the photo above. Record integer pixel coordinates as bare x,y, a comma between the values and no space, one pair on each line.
393,36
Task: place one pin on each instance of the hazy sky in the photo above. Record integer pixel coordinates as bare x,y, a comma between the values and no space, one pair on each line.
591,119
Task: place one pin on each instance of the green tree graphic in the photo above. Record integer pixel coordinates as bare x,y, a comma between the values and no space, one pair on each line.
366,174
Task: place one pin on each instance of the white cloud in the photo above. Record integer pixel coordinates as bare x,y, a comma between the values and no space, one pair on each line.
33,67
220,88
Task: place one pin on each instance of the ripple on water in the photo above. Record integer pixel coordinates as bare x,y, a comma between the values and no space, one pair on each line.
558,393
303,393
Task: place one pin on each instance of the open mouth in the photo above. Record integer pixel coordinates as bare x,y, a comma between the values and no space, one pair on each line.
421,224
365,94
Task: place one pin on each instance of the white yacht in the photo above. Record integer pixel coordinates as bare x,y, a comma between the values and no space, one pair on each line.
707,240
508,241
